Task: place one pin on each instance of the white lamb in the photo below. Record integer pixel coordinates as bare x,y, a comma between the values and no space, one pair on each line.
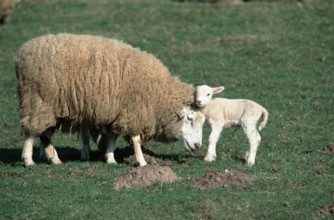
221,113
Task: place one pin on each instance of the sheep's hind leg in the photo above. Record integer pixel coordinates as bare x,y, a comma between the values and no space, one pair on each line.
85,137
213,138
254,140
138,152
50,151
28,150
110,157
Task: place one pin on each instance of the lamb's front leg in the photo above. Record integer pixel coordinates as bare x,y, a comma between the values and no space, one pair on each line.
138,152
213,138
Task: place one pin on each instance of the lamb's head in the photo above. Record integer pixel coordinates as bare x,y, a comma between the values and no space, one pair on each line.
204,94
191,128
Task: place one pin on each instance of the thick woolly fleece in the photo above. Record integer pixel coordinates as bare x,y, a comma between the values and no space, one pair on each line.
68,81
6,9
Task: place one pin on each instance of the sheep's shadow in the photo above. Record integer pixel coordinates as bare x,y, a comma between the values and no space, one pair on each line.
70,154
127,155
10,156
66,154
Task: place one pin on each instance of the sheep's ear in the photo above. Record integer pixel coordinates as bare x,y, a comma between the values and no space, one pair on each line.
182,113
216,90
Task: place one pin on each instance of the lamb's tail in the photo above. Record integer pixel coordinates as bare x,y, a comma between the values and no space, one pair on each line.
264,119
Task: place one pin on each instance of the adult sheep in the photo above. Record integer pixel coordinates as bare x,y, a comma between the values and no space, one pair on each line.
71,82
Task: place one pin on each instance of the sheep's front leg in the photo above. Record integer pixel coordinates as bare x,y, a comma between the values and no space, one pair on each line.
139,154
213,138
28,150
42,153
110,157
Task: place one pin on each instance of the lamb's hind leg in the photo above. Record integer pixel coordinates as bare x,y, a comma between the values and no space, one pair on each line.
50,151
254,140
213,138
28,150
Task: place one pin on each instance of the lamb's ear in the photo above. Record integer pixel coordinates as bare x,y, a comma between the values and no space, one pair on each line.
216,90
182,113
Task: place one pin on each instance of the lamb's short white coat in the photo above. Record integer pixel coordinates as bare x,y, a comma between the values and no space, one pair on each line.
221,113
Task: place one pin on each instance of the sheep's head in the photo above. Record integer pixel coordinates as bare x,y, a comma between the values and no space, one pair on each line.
191,129
204,94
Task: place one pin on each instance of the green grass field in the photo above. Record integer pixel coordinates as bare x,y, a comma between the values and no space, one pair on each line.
280,55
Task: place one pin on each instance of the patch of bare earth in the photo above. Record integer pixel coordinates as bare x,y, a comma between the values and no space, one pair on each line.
145,176
127,155
327,210
225,178
206,209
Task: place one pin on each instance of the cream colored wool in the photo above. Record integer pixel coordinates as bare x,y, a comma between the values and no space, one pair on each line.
70,80
6,9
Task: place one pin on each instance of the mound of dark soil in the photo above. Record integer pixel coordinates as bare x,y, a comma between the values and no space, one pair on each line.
144,176
326,209
329,149
215,179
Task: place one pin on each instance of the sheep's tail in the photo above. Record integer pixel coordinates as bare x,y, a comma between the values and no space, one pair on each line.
264,119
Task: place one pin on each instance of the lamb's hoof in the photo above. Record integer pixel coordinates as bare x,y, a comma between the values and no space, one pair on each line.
246,156
250,163
209,158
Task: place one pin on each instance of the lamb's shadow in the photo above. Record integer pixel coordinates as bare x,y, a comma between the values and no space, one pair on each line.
238,157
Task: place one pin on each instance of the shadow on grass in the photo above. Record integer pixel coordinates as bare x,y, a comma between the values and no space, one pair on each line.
238,157
70,154
127,155
66,154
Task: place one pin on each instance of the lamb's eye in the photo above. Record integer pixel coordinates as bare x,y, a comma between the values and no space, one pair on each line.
208,94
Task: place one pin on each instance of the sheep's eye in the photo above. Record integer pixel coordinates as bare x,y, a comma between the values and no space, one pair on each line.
189,118
208,94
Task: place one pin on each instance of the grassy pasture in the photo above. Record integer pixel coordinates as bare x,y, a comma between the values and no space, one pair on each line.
279,54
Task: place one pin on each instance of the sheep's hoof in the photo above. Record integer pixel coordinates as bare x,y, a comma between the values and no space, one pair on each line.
84,155
110,159
142,164
28,162
42,154
56,162
209,158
